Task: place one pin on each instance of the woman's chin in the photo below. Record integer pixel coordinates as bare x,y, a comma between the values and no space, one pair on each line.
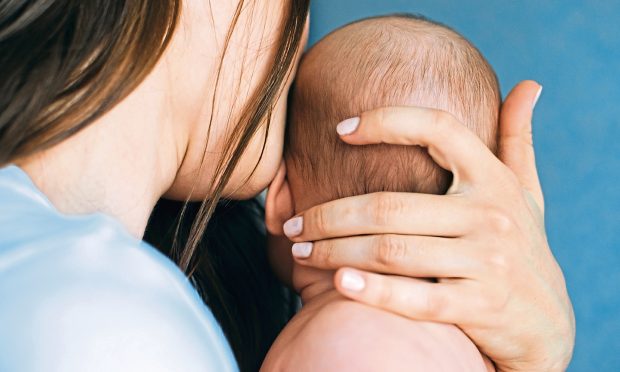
243,190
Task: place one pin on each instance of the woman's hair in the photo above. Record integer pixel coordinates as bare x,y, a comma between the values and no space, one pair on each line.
64,63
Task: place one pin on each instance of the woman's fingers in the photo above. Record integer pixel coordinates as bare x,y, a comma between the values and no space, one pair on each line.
450,143
385,213
516,148
412,298
407,255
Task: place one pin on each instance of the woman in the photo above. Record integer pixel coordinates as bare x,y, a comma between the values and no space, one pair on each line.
108,106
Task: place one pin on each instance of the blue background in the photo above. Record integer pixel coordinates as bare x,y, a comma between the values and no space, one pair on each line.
573,49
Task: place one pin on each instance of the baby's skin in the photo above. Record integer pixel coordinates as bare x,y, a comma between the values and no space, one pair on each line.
332,333
376,62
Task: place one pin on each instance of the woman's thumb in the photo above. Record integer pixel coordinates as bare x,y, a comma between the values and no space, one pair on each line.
516,148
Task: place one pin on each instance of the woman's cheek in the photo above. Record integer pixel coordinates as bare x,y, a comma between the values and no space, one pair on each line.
244,184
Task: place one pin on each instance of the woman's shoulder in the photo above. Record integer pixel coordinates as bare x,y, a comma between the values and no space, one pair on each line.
79,292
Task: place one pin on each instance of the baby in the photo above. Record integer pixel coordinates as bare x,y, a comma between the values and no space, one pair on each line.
385,61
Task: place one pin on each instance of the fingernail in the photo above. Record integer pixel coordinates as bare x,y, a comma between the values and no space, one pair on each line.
537,97
352,281
302,250
348,126
293,226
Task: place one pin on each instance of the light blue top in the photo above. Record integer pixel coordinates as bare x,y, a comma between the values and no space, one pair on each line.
78,293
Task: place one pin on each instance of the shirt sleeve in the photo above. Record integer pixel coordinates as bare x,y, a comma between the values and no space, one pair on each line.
101,304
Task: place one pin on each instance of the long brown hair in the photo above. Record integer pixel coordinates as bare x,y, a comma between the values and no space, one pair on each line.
229,265
64,63
256,114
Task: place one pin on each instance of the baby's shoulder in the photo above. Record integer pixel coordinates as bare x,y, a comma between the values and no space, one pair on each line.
349,336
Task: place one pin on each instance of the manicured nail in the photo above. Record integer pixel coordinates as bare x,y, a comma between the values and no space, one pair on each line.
348,126
302,250
293,226
537,97
352,281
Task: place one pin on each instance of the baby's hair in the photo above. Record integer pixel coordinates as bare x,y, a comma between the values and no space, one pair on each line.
394,60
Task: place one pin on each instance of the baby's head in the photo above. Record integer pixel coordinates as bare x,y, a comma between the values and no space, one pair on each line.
397,60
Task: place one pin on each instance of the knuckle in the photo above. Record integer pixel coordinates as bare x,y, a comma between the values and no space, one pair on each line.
434,306
384,207
349,212
445,120
321,222
382,116
499,263
442,117
324,253
377,117
390,250
385,295
494,302
499,221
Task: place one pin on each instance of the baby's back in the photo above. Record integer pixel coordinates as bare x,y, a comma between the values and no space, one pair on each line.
332,333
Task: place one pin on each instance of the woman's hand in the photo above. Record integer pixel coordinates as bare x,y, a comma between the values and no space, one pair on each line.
484,241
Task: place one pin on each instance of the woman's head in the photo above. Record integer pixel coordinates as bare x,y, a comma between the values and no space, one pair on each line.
64,64
239,86
220,71
223,68
236,111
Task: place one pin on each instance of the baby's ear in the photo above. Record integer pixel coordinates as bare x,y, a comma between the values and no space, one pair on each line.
278,203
